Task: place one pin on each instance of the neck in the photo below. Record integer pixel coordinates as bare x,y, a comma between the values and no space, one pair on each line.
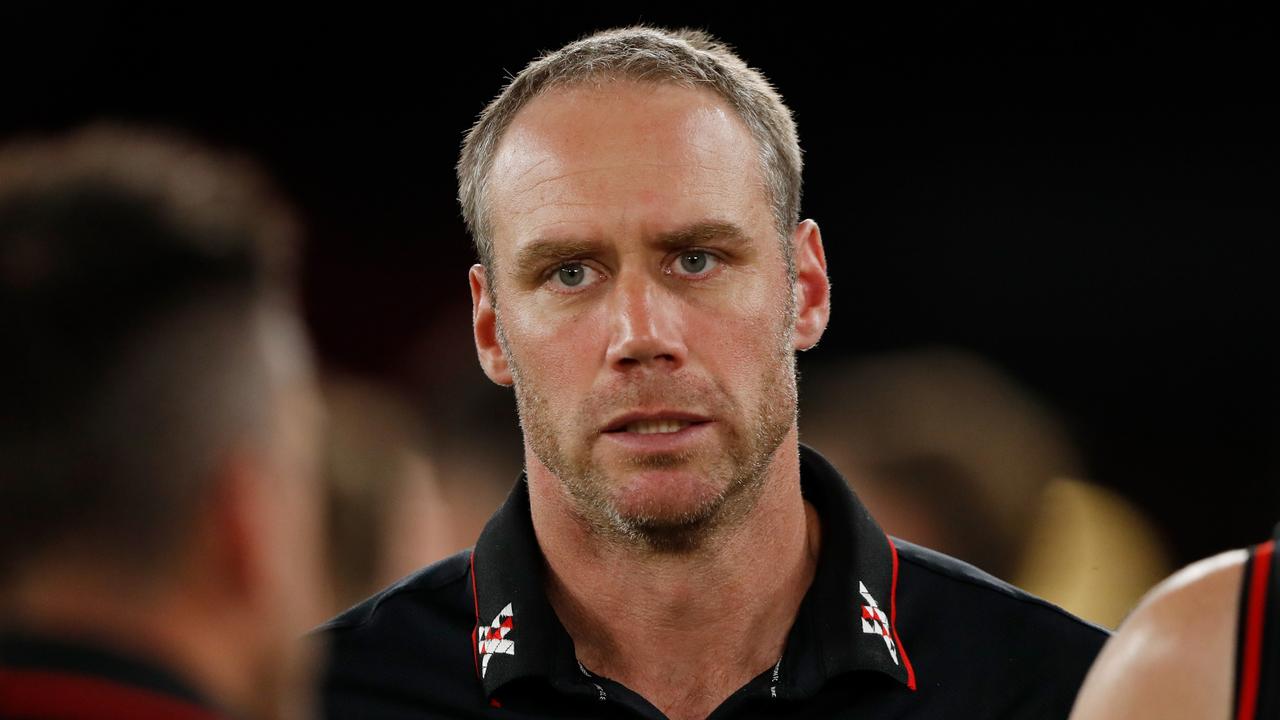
662,623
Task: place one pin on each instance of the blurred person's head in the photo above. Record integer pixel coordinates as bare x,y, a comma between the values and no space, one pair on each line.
477,452
944,449
387,512
158,434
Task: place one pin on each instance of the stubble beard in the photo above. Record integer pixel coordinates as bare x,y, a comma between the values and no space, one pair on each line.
739,472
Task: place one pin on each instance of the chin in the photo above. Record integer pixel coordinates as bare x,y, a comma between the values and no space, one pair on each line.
667,510
684,536
667,495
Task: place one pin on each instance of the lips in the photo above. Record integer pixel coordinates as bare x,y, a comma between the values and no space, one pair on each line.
653,427
654,423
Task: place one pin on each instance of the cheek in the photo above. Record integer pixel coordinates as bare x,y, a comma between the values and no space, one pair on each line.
739,337
735,352
559,351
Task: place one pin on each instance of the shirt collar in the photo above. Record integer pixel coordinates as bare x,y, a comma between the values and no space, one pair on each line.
848,620
846,623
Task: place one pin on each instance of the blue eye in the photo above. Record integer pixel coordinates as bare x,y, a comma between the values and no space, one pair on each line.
571,275
695,262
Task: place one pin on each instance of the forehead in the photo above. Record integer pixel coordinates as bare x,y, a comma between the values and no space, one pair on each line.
600,159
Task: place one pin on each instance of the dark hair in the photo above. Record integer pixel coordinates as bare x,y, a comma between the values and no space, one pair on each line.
131,267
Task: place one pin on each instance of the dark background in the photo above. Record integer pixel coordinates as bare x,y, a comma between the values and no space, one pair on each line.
1086,198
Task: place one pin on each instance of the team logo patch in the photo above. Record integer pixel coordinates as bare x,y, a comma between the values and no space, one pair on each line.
493,640
875,623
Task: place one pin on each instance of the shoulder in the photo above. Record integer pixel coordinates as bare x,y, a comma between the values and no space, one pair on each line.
1174,656
960,588
413,589
972,636
411,642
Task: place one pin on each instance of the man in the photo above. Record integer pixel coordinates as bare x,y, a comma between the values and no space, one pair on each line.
1202,645
672,551
159,519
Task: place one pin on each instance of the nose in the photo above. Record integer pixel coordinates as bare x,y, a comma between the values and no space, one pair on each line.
646,324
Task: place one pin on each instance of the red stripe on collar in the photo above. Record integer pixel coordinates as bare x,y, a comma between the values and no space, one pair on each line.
475,631
893,612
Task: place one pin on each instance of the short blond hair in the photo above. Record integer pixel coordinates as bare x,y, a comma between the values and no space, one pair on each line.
689,58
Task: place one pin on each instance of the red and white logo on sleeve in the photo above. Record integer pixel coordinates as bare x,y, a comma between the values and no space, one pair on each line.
493,640
875,623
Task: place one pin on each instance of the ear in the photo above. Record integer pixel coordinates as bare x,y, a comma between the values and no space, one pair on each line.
484,324
812,288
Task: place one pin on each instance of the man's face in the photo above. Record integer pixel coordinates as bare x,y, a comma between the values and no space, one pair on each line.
644,309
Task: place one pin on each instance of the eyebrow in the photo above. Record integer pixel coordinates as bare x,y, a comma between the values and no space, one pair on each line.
702,232
552,250
548,251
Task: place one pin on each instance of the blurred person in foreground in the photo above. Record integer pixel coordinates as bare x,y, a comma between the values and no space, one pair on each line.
159,511
672,551
1204,645
949,452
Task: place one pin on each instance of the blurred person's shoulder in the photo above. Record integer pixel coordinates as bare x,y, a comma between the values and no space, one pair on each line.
1174,656
415,634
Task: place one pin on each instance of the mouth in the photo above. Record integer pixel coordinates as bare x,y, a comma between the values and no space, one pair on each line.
655,427
654,423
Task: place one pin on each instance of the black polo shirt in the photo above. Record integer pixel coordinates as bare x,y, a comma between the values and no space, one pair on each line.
886,630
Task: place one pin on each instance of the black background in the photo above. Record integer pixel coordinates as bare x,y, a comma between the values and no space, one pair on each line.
1086,198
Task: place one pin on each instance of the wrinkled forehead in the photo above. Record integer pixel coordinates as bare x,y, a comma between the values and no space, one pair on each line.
593,150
